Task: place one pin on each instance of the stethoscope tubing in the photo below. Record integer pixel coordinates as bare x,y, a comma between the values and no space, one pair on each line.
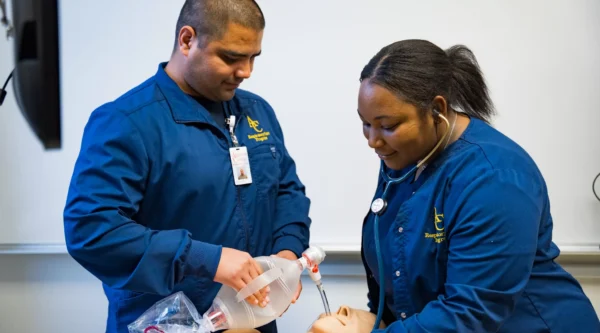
378,207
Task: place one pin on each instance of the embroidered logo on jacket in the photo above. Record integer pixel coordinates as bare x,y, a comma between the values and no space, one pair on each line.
438,222
260,135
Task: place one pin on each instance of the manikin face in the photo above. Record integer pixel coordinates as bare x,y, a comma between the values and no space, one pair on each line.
346,320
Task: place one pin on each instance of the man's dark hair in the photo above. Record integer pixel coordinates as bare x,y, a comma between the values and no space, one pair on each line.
210,18
418,70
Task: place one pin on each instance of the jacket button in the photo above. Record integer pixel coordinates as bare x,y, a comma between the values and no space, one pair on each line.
403,315
397,273
400,230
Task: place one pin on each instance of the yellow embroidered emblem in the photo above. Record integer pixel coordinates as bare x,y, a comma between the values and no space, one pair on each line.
438,219
254,124
260,135
438,222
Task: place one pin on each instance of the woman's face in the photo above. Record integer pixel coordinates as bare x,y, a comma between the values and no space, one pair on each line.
399,133
346,320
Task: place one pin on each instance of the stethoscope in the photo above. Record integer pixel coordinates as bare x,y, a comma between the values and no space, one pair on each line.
379,205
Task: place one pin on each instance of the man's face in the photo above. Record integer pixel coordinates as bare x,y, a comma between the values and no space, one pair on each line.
215,69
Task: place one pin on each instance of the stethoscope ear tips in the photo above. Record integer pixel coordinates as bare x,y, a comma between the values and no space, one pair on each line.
378,206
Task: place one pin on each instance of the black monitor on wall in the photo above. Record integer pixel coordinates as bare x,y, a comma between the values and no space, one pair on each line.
36,75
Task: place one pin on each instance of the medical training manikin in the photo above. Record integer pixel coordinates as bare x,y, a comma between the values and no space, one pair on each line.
346,320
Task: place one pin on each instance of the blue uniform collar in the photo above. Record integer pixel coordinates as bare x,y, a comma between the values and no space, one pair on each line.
184,108
457,146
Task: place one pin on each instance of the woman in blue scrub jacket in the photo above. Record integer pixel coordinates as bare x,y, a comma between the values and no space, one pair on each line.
466,241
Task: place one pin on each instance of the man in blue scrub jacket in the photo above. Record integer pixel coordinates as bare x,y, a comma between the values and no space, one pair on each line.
156,204
466,241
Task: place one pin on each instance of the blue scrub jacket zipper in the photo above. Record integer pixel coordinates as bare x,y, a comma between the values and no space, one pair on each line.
237,188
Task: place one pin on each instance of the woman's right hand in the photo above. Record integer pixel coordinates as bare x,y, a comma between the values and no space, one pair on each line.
237,269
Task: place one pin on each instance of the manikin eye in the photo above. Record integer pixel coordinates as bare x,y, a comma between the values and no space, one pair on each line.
343,320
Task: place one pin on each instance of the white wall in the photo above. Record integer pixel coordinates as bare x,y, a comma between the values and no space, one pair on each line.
53,294
541,67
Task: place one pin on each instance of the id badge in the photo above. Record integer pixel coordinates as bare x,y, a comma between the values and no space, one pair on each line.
240,165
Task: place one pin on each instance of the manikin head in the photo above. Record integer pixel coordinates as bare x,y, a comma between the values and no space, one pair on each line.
215,46
346,320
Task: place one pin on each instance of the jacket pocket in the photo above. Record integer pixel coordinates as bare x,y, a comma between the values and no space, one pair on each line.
265,168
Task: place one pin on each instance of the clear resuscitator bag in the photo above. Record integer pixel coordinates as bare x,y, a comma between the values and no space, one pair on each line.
229,310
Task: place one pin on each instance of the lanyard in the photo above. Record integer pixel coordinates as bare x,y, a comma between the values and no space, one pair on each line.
231,123
230,120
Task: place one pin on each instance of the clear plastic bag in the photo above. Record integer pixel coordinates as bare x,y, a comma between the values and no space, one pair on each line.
173,314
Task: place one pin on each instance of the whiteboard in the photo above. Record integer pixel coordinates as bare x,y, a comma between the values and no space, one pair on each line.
540,60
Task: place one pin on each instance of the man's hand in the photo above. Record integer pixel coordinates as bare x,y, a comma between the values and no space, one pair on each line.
237,269
287,254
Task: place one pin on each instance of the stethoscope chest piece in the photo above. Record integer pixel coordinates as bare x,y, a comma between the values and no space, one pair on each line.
378,206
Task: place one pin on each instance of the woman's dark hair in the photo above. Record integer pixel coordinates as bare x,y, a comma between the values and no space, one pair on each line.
418,70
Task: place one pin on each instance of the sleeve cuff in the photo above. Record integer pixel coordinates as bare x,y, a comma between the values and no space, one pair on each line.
291,243
203,259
